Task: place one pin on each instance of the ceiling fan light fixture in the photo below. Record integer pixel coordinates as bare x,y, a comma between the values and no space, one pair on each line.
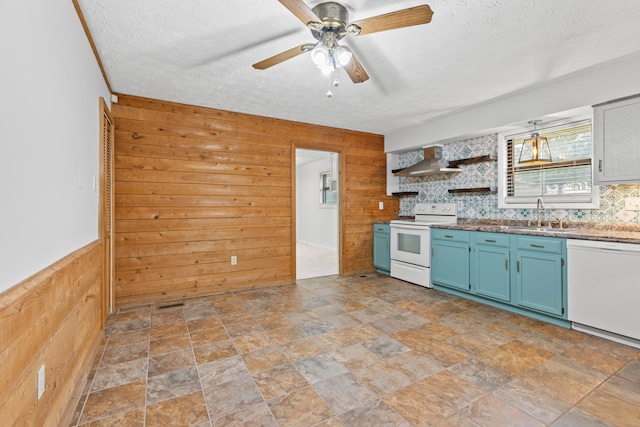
320,55
342,56
329,23
535,150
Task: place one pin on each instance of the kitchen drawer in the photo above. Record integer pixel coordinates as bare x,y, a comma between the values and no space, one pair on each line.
492,239
381,228
450,235
549,245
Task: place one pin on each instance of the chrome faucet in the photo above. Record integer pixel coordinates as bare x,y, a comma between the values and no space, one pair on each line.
540,206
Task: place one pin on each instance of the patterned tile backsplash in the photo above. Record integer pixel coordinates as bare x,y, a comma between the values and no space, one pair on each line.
433,189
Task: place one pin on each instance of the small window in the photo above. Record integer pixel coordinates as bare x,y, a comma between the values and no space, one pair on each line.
565,182
328,193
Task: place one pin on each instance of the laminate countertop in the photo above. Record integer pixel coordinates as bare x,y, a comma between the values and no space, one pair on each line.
606,232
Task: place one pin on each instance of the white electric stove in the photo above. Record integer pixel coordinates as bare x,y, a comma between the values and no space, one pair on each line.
410,241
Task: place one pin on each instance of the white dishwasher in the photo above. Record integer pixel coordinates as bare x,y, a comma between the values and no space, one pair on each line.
603,289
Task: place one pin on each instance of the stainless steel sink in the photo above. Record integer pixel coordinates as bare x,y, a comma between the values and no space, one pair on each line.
533,228
543,229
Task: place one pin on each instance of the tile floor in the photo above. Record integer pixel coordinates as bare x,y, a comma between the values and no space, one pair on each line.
314,261
353,351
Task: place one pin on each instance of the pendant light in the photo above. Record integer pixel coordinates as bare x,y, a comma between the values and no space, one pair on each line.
535,150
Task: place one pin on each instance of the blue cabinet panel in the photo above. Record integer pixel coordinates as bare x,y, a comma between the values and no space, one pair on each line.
539,281
381,249
450,258
492,239
491,272
451,235
549,245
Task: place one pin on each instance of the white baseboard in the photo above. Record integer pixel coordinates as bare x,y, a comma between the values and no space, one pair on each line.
606,334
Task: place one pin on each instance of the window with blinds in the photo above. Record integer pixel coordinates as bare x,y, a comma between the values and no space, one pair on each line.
328,196
566,179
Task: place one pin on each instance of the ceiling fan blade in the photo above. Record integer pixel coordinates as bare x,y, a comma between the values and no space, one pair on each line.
301,10
355,70
282,56
389,21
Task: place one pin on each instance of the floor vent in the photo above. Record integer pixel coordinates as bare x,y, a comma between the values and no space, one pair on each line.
162,307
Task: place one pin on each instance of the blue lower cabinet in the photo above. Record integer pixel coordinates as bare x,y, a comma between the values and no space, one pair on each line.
381,249
540,274
521,273
491,272
450,258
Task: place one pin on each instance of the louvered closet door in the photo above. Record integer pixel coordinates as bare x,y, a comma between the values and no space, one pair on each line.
106,206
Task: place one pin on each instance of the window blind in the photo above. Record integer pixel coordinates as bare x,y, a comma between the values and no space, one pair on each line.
327,195
567,178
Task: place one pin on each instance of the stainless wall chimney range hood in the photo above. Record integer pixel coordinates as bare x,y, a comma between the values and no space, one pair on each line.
429,165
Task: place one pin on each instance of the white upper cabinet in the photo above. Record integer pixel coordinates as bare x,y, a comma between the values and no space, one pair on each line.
616,132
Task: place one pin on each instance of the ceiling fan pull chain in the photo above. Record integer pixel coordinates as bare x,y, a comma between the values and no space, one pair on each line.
329,93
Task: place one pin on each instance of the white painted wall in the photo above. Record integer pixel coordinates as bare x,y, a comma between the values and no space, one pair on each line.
598,84
49,132
314,224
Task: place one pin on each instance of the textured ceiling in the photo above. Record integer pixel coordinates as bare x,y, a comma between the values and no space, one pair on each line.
200,52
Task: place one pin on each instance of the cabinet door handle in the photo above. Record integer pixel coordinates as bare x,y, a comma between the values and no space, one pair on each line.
489,240
599,165
506,264
518,266
536,246
448,236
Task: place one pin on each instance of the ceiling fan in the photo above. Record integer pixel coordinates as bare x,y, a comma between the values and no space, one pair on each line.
329,23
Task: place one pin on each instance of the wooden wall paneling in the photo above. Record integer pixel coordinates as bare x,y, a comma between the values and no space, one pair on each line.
199,258
216,180
52,318
131,213
194,186
191,287
142,252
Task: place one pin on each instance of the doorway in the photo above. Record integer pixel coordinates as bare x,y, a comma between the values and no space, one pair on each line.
317,213
105,215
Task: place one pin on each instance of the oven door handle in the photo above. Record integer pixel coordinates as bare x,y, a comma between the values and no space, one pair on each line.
409,227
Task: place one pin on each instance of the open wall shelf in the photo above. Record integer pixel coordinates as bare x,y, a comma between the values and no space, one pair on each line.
472,190
470,160
405,193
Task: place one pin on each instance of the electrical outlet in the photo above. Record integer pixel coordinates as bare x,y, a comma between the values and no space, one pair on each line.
381,205
234,260
41,382
632,204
